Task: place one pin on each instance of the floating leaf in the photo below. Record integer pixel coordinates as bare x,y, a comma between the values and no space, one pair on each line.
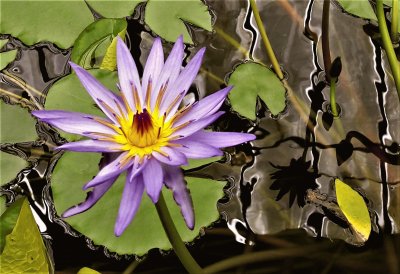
87,270
93,43
194,163
360,8
114,8
167,18
8,220
3,205
11,116
7,56
34,21
251,80
110,59
10,165
354,209
59,22
24,250
69,94
146,231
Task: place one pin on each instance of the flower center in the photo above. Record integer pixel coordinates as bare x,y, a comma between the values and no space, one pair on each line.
143,132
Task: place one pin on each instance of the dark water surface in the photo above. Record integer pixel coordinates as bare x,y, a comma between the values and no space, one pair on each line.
280,183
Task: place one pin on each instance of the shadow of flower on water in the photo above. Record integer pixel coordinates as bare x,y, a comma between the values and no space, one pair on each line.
296,179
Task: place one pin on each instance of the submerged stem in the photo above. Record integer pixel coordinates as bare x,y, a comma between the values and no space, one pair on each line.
326,52
387,44
173,236
395,21
267,44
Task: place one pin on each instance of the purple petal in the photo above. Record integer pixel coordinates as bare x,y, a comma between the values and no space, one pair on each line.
205,107
171,69
182,83
153,67
114,168
221,139
194,126
137,167
74,122
174,181
91,146
197,150
100,94
130,202
174,158
127,73
91,200
153,179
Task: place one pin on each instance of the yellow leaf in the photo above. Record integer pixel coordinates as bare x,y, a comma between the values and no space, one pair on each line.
87,270
110,59
354,209
24,250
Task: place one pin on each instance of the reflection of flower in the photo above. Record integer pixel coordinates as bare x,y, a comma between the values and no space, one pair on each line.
145,126
294,178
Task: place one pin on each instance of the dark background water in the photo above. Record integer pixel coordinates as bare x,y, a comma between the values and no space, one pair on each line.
267,204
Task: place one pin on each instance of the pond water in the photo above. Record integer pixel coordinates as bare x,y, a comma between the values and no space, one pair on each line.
283,181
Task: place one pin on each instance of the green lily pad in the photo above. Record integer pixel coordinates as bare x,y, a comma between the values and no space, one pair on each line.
251,80
69,94
57,21
194,163
17,125
360,8
354,209
92,44
114,8
8,219
146,231
24,250
7,56
10,165
33,21
166,18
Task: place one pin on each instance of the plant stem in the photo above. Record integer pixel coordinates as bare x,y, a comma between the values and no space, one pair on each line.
387,44
173,236
326,52
332,95
395,21
267,44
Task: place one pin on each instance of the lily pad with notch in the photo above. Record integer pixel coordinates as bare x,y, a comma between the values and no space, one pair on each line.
146,231
168,19
250,80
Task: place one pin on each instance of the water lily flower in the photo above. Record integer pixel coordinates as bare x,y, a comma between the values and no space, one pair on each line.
146,128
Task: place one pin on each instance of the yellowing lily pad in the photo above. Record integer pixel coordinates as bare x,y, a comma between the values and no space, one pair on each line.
24,250
354,209
110,59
